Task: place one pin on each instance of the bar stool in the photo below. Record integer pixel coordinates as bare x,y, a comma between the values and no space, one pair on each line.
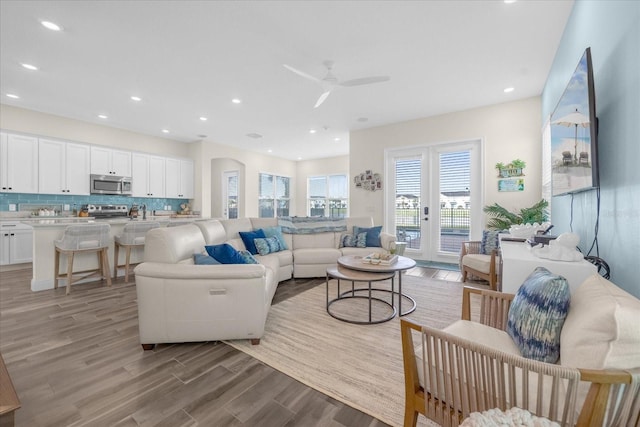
83,239
132,237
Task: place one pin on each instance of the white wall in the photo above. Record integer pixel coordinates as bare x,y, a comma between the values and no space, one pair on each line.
36,123
308,168
510,130
612,30
255,163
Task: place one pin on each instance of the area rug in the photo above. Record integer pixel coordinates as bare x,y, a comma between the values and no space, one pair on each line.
360,365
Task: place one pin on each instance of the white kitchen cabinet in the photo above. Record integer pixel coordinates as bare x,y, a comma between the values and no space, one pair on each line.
16,243
63,168
148,175
106,161
18,163
179,178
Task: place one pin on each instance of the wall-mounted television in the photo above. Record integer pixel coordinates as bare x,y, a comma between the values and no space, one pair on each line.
574,134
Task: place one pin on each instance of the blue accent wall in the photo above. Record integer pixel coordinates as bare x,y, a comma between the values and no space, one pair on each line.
55,199
612,30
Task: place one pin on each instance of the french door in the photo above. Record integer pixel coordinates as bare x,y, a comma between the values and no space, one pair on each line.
433,197
230,197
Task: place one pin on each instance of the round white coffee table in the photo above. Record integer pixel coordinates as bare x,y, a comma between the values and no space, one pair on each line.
355,262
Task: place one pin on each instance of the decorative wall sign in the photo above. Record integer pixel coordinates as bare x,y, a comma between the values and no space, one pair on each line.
514,184
368,180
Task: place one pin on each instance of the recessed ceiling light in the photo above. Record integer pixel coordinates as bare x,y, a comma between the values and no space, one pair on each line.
165,130
14,96
508,89
312,131
102,116
336,139
236,101
269,150
204,119
509,1
299,158
30,67
136,98
51,26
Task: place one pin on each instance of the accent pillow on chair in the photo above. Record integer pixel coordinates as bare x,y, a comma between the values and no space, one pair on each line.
490,241
537,314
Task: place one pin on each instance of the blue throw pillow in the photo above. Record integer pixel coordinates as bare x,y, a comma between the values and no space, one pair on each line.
248,236
354,241
226,254
267,245
489,241
202,259
537,314
276,231
373,235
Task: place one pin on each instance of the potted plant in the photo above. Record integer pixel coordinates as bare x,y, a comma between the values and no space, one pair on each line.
503,219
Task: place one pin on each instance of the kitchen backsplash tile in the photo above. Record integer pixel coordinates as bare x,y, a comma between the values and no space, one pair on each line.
52,199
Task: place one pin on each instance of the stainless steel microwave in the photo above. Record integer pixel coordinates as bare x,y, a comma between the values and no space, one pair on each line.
110,184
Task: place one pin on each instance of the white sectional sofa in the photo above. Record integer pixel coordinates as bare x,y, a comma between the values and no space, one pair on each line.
182,302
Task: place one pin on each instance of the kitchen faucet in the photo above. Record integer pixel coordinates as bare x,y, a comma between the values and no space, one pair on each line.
144,211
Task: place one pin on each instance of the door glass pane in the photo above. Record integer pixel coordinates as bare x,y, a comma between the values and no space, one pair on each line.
232,196
455,200
408,178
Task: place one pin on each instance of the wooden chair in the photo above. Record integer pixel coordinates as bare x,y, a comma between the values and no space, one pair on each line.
78,239
475,263
464,377
133,236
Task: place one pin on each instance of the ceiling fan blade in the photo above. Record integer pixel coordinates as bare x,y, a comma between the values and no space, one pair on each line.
302,73
365,81
322,98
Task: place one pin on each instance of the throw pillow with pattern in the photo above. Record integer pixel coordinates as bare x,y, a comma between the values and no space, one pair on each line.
354,241
267,245
490,241
537,314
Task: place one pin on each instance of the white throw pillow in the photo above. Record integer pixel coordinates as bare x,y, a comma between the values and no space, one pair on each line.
602,329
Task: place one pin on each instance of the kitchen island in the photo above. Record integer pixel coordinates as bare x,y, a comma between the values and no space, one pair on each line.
46,231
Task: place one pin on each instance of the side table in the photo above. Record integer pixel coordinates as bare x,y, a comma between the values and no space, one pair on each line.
340,273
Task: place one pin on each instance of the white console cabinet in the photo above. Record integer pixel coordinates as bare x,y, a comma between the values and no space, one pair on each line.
518,261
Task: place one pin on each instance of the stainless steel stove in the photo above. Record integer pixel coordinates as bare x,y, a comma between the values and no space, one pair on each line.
107,211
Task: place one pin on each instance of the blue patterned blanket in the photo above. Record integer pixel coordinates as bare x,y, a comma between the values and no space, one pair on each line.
311,225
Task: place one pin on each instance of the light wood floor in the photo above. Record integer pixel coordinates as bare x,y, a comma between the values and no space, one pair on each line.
76,361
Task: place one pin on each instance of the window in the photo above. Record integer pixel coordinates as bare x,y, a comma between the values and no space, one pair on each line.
328,196
274,196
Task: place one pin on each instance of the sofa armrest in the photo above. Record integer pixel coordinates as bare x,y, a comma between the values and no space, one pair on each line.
387,240
189,271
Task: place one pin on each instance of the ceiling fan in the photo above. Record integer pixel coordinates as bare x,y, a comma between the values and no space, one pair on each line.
329,82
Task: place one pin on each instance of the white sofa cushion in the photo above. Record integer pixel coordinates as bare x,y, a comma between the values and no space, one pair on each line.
602,329
234,226
478,262
316,256
213,231
316,240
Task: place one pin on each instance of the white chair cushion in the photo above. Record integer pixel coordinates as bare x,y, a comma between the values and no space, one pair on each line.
478,262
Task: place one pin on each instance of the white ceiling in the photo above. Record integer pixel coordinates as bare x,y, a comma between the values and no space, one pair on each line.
187,59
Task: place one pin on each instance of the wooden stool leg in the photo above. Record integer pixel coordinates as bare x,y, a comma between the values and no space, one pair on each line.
116,252
69,270
56,269
126,264
106,271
